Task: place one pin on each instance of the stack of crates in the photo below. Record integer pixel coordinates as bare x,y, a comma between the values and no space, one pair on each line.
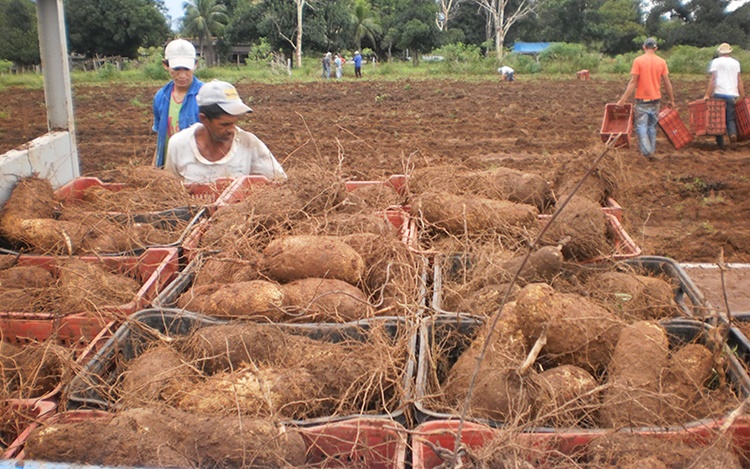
674,128
707,117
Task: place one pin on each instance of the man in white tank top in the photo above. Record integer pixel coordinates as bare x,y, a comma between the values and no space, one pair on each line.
215,147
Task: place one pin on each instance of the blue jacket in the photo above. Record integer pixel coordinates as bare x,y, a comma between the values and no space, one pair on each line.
188,115
357,60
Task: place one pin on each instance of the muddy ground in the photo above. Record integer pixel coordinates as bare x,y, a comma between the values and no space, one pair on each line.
688,205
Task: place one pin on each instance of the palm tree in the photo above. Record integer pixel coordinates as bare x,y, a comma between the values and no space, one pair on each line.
204,19
366,23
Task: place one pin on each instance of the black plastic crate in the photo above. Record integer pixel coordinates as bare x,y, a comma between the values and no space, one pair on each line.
688,297
457,332
738,340
88,389
162,220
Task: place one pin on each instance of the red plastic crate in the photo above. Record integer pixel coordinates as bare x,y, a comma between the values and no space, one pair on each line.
673,127
85,335
27,414
154,269
359,442
203,193
582,74
742,113
617,124
707,117
442,433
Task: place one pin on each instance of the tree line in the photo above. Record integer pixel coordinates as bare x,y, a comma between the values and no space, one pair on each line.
387,28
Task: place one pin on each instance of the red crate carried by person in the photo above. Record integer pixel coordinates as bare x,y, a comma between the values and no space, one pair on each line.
673,127
708,117
742,110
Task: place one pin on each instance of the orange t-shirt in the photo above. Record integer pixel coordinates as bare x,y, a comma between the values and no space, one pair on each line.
649,68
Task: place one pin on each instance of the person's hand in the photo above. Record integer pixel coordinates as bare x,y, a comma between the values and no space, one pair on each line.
620,103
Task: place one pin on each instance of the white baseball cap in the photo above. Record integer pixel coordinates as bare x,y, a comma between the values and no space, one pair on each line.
180,54
223,94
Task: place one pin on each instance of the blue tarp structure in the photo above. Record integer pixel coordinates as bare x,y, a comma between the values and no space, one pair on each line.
530,47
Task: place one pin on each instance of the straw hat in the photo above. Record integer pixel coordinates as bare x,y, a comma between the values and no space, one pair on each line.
724,48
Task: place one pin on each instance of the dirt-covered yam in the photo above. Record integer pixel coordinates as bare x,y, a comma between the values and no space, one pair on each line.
635,296
579,331
458,214
258,299
582,226
288,392
148,377
168,438
88,286
297,257
632,397
324,300
564,396
25,276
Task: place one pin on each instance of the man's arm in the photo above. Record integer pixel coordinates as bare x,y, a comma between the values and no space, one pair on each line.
740,86
711,86
670,92
629,90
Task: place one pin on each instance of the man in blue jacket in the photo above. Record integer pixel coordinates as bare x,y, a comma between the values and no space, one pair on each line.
175,106
357,64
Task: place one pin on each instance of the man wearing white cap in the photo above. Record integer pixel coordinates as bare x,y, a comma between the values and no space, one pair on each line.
726,83
175,107
215,147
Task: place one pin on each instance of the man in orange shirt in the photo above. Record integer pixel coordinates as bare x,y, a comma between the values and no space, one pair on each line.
646,75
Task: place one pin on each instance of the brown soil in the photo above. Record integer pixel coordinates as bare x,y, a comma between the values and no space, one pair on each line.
687,205
379,126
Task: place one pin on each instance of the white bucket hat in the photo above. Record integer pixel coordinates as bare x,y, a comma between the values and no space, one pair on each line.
223,94
180,54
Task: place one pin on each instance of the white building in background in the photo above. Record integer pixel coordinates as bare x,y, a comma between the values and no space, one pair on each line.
53,155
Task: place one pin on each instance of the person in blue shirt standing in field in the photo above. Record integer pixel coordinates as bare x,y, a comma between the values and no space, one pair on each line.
357,64
175,106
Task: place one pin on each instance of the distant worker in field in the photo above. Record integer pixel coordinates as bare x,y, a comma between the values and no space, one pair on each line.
725,83
357,64
646,75
327,66
507,73
215,147
174,105
339,62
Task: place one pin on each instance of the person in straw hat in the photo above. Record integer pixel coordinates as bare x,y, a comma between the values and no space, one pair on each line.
725,83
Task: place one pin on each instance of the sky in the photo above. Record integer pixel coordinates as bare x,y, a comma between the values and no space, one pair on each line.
176,11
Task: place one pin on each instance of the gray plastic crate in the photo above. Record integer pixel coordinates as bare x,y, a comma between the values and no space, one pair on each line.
457,333
688,297
88,388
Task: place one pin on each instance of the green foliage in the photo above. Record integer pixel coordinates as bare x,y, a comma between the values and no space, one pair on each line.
568,58
206,74
114,27
521,63
459,52
107,71
151,63
5,66
689,59
19,32
260,51
204,19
